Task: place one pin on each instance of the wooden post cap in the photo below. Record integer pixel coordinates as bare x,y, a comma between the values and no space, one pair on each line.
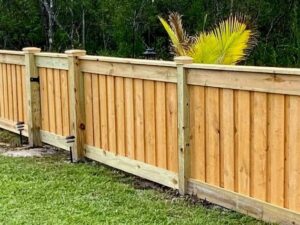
31,50
75,52
183,60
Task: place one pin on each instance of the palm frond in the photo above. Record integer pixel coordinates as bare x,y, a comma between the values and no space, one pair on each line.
175,34
228,43
175,21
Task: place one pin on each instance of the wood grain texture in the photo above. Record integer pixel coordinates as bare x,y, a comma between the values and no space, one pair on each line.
88,109
14,93
44,99
197,130
292,166
276,120
259,145
120,115
112,136
58,103
103,112
149,117
160,121
227,147
139,120
19,93
65,102
1,92
96,110
51,100
5,89
129,118
171,108
212,136
242,157
10,93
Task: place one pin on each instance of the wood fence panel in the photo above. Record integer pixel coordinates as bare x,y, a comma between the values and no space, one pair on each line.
242,120
11,90
197,131
103,112
89,131
140,117
171,104
160,121
251,143
51,100
10,93
129,118
55,108
111,110
44,99
149,113
276,139
65,102
292,165
20,93
212,140
227,133
1,91
259,145
58,102
14,92
96,110
24,94
139,120
120,115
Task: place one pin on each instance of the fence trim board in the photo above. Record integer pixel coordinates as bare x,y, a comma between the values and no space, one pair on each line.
251,69
243,204
10,126
145,72
129,61
15,59
137,168
11,52
263,82
54,140
51,54
52,62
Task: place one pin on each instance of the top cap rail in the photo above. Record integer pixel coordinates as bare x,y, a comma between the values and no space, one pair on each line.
251,69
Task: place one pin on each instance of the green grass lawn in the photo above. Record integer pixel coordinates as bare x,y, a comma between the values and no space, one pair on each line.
49,190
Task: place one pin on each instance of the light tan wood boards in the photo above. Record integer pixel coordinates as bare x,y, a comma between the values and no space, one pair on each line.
183,105
228,134
33,101
76,102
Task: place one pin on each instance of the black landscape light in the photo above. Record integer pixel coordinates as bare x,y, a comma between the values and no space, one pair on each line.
20,126
70,141
149,53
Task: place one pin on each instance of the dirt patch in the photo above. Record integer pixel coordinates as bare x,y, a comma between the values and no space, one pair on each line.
28,152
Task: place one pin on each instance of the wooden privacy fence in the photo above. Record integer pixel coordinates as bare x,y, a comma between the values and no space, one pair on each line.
228,134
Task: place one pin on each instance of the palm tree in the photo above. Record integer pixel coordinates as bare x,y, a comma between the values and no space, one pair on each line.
228,43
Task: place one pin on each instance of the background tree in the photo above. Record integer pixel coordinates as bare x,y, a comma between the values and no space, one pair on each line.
126,27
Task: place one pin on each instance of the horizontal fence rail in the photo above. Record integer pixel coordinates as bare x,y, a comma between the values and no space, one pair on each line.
228,134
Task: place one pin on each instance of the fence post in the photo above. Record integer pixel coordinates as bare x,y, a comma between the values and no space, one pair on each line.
33,97
76,101
183,123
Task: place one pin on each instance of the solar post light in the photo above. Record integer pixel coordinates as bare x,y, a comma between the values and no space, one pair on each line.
149,53
20,126
70,141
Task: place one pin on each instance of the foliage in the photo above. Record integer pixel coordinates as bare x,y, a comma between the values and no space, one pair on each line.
126,27
228,43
